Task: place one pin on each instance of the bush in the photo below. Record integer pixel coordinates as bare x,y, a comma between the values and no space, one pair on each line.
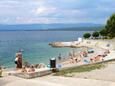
87,35
95,34
110,35
103,32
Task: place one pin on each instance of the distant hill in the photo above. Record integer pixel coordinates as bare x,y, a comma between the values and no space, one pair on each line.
68,27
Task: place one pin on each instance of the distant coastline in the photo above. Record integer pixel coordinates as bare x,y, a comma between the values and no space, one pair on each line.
52,27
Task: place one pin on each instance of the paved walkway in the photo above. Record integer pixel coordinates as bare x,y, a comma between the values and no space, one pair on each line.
52,81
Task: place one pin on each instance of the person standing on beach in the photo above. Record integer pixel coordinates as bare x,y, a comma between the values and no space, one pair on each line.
59,57
18,60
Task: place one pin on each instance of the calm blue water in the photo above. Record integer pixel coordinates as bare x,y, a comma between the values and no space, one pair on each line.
34,44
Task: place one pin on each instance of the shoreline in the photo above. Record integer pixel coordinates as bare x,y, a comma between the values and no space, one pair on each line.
85,43
97,45
79,78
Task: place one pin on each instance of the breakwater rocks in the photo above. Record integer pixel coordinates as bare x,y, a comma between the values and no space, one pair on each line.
72,44
56,44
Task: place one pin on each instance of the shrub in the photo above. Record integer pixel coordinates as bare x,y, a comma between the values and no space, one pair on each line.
87,35
95,34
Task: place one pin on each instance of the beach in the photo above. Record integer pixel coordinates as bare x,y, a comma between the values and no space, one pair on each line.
57,43
102,52
104,76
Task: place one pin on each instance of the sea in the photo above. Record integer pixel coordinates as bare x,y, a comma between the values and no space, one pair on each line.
34,45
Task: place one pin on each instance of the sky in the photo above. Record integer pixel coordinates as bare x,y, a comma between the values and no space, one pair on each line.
55,11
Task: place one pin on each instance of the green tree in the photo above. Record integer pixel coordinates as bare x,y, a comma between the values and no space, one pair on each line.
110,26
87,35
103,33
110,35
95,34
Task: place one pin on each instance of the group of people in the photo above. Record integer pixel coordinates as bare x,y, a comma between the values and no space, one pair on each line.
28,69
99,57
82,57
73,58
96,58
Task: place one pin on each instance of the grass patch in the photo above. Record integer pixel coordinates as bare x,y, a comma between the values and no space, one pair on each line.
78,69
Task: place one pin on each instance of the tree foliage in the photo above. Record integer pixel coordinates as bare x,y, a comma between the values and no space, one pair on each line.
95,34
103,32
87,35
108,31
110,26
